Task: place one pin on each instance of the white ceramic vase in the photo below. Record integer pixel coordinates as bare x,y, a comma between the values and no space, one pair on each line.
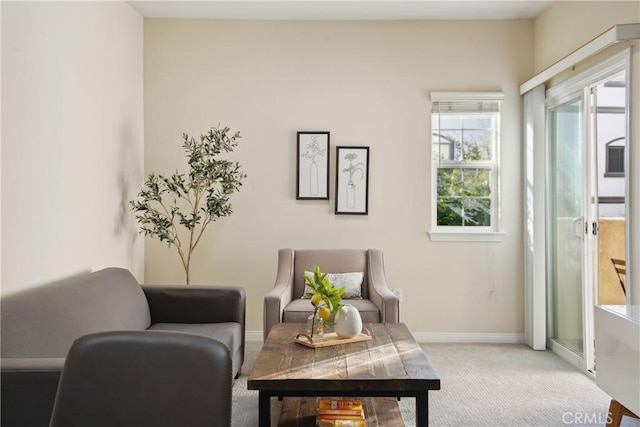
348,323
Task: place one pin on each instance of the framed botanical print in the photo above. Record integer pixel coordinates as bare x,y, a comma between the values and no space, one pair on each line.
312,170
352,180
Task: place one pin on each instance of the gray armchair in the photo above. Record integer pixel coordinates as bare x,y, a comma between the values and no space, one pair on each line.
284,303
144,379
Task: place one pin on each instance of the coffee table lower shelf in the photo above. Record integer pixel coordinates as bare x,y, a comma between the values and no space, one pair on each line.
379,412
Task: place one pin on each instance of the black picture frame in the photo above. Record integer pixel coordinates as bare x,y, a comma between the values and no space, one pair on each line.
352,180
312,165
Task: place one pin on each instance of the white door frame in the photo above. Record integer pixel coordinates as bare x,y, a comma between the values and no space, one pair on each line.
535,162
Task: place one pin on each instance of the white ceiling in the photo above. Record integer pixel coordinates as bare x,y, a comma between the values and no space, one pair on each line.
342,9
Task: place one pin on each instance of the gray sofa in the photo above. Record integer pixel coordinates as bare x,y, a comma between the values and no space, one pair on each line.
39,326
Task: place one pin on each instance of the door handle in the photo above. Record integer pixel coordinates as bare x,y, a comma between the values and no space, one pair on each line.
578,225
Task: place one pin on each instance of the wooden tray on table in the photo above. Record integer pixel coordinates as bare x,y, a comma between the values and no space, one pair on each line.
329,339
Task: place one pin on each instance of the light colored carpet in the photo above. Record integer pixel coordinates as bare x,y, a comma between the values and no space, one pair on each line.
488,385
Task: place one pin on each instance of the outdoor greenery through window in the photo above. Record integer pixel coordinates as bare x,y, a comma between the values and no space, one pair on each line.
465,140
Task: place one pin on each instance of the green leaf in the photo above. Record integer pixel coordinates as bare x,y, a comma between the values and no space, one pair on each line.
320,283
190,200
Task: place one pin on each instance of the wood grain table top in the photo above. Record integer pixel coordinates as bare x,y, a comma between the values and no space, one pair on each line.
391,361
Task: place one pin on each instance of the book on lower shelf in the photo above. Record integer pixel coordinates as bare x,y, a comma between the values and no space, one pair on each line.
358,412
341,423
340,413
353,404
340,416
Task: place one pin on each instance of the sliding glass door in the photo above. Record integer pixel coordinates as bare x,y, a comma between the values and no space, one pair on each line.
566,185
586,204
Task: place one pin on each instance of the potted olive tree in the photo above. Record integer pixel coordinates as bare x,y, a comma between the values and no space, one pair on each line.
178,209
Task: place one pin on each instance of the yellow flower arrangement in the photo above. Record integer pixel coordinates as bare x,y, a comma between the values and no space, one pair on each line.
325,298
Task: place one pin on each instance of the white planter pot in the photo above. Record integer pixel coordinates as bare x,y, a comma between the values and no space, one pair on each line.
348,323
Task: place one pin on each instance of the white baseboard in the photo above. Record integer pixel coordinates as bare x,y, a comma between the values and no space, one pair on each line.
442,337
468,337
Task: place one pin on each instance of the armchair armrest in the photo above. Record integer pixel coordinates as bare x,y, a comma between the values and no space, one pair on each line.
282,292
379,292
28,389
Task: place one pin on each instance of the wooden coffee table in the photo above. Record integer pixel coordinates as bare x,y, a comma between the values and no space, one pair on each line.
390,364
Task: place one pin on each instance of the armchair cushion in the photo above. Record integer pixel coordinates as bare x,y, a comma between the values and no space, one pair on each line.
352,283
329,260
299,309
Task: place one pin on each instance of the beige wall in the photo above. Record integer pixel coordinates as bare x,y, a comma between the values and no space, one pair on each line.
72,139
567,25
367,83
72,142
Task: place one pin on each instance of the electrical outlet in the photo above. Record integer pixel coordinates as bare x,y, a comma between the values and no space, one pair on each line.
398,293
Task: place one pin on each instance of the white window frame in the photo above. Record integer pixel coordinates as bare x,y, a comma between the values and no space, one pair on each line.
450,233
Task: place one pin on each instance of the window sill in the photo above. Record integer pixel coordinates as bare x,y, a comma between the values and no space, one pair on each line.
449,236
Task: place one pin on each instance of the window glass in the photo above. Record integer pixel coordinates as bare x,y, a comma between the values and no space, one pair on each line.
615,159
464,197
465,140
